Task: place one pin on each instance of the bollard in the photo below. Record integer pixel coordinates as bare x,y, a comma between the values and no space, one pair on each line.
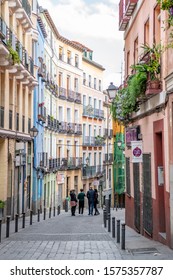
107,207
66,205
118,231
50,209
123,236
109,222
31,212
16,222
44,214
113,227
23,220
104,215
54,211
59,209
38,215
8,226
0,229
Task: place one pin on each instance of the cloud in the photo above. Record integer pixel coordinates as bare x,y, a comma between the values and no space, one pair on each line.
94,24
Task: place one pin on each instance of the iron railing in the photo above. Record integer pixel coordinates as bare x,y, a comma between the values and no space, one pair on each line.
1,116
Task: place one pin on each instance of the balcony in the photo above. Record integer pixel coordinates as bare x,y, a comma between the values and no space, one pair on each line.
23,123
41,112
62,93
78,129
99,170
70,95
42,160
10,119
17,121
14,57
89,172
1,116
77,98
52,123
97,141
108,159
70,128
129,7
123,19
98,113
42,69
62,127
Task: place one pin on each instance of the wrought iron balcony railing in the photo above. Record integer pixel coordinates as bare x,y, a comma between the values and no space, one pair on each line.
41,113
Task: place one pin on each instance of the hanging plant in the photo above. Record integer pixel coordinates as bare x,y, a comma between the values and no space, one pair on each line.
13,54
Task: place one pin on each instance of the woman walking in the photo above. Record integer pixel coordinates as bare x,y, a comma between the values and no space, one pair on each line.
73,202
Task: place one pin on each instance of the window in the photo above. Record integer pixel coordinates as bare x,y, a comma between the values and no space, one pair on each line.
76,84
60,53
157,25
89,83
84,78
94,83
128,64
68,57
146,32
136,51
60,79
100,85
76,60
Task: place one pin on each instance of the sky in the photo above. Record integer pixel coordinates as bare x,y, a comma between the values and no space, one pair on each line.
94,24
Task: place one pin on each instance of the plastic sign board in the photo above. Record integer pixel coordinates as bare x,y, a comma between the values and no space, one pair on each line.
136,151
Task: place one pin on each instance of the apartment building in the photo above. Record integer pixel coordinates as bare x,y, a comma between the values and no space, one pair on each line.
149,188
63,129
17,80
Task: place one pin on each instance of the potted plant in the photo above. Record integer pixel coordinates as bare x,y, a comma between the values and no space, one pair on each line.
2,205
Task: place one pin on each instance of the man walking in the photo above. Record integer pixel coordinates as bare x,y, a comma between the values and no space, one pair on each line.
81,197
90,196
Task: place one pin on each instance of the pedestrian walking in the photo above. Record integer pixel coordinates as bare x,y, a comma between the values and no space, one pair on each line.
73,202
90,196
81,197
96,202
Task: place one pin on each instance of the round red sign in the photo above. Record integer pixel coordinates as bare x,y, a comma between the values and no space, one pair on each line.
137,152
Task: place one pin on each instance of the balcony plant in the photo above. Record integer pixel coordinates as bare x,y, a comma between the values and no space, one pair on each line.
2,204
13,54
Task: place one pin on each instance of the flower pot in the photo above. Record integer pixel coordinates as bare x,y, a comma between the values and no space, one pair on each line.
153,87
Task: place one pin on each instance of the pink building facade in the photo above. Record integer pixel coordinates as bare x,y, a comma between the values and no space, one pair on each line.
149,184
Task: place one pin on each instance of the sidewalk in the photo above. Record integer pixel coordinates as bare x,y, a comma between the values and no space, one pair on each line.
81,237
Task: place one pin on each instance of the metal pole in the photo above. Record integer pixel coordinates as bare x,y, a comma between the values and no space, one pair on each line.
118,231
16,222
54,211
8,226
123,236
23,220
113,227
104,215
31,212
44,214
59,209
107,207
38,215
50,212
0,229
66,205
109,222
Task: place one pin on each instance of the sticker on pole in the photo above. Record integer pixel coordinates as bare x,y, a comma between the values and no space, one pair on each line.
136,151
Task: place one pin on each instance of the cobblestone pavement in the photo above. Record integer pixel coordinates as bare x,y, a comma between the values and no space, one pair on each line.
81,237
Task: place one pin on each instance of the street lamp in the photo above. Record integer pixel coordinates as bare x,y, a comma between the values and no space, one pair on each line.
112,91
33,132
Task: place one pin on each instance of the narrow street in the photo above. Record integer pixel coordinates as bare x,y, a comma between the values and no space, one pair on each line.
76,238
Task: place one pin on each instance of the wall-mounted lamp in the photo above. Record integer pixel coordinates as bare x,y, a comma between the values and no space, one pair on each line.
33,132
112,91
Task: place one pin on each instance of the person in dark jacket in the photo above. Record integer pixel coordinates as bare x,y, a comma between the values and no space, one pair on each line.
90,196
81,197
73,202
96,202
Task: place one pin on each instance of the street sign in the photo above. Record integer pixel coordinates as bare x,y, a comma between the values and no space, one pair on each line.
136,151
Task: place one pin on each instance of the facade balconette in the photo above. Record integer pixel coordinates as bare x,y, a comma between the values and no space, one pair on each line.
126,9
